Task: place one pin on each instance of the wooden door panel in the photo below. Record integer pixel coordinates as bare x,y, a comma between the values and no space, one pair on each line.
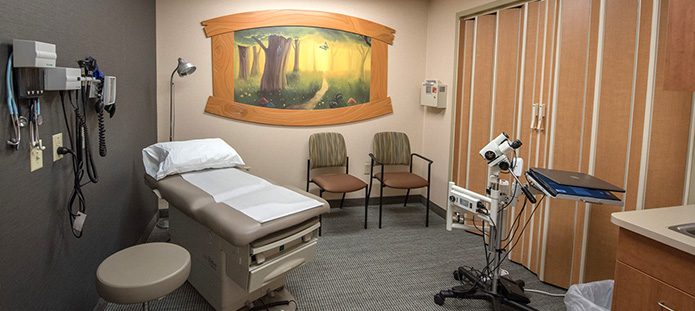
640,96
670,127
568,126
482,98
465,63
526,100
581,218
549,25
506,75
614,119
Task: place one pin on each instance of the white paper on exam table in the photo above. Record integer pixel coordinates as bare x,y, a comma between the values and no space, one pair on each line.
251,195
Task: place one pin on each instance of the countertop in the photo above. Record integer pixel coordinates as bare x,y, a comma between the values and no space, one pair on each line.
653,223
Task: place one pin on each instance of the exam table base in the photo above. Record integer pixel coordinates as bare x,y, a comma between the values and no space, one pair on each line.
215,268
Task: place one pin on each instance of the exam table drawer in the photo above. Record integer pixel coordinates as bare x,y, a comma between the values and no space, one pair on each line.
265,273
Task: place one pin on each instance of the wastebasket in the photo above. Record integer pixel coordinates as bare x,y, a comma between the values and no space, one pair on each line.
594,296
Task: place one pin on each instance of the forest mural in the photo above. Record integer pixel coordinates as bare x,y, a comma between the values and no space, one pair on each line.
301,68
298,67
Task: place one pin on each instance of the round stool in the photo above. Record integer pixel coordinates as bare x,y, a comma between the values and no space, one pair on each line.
142,273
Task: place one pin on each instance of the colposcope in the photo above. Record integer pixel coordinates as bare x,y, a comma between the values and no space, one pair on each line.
488,285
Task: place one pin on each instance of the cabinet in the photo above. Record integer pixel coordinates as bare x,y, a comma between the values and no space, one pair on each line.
650,275
581,83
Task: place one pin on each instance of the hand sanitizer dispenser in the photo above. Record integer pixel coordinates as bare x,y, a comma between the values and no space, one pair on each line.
433,94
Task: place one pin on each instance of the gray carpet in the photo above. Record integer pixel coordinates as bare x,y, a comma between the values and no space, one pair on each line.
398,267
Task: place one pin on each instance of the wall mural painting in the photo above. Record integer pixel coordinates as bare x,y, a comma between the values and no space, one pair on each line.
300,68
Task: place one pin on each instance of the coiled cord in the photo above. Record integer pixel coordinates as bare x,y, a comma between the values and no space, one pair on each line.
83,130
102,134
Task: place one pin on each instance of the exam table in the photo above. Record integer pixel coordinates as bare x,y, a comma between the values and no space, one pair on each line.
235,259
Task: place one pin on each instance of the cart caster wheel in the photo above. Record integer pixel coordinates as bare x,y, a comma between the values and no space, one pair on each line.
438,299
457,276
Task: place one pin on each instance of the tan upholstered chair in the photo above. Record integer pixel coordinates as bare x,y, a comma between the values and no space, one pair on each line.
393,148
328,150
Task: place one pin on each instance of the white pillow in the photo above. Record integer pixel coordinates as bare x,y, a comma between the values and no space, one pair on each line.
176,157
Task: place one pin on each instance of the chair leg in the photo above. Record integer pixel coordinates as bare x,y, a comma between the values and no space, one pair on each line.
342,200
381,198
146,306
366,204
329,206
427,216
407,193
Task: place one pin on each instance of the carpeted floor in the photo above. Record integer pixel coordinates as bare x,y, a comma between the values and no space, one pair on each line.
398,267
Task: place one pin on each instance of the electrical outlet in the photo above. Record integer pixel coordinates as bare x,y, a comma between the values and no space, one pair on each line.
57,143
36,157
367,168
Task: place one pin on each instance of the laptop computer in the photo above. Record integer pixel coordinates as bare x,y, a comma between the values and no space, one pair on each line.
576,179
578,193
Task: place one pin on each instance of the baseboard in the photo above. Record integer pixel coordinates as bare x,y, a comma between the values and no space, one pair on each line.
417,198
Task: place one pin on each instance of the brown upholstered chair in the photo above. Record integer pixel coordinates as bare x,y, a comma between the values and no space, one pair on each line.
328,150
393,148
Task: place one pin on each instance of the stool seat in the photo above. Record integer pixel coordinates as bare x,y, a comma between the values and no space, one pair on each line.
143,272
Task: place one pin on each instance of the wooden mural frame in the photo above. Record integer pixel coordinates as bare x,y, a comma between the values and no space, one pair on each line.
221,30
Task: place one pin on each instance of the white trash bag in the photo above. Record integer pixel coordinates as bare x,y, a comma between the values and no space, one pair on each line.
594,296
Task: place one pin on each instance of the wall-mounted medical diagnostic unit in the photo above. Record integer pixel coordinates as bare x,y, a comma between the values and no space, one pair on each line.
31,72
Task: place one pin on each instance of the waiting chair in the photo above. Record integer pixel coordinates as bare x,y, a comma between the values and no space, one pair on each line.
393,148
328,150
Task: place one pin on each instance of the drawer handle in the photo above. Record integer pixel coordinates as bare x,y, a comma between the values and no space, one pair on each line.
661,304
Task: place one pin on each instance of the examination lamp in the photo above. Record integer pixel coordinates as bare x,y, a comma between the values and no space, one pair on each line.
183,69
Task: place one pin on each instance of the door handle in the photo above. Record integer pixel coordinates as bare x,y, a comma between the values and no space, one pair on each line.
534,112
541,116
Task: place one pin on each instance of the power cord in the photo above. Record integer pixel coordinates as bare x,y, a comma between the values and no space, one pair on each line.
544,293
76,205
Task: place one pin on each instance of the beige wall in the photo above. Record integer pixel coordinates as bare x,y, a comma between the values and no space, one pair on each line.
441,64
424,48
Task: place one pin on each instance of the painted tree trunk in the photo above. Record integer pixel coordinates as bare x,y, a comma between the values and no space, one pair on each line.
243,62
296,55
276,53
256,61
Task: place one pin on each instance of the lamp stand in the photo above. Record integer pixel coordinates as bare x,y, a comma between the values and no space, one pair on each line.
171,106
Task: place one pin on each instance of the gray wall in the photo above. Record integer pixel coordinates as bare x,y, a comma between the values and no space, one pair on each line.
42,266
